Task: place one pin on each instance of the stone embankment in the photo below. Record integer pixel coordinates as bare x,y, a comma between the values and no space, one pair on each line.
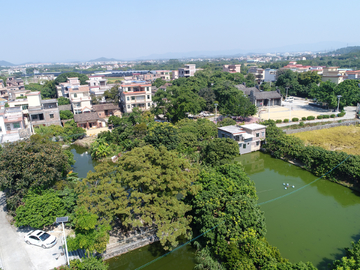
138,240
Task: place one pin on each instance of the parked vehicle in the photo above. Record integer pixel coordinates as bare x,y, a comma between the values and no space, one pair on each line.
40,238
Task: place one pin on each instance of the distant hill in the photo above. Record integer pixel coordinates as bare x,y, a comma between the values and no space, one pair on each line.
6,64
346,50
103,59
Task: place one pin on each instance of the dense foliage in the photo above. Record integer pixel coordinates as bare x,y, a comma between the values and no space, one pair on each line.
146,187
226,208
87,263
35,165
314,159
47,90
64,76
351,261
63,101
200,92
69,132
66,114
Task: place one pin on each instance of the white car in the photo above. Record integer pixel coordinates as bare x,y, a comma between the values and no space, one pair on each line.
40,238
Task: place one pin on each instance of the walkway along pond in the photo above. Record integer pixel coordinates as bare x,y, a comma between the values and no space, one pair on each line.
314,224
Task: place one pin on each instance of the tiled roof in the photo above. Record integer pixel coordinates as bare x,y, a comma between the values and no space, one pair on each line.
84,117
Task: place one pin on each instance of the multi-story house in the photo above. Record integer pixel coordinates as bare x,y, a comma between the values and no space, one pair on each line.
98,85
15,83
37,111
270,75
333,74
249,137
42,112
187,71
163,74
258,73
79,95
352,75
3,91
174,74
232,68
135,94
12,120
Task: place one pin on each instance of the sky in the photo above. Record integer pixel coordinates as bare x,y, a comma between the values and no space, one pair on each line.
79,30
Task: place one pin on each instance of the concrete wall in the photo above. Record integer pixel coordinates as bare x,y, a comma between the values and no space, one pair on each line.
347,123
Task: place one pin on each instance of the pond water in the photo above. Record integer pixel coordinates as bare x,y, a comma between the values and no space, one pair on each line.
313,224
84,162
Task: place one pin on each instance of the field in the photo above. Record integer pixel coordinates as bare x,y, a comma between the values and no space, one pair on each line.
113,79
342,138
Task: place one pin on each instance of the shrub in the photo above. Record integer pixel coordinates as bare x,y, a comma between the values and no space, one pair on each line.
310,117
320,117
326,116
341,114
303,118
332,116
301,124
278,121
286,120
295,119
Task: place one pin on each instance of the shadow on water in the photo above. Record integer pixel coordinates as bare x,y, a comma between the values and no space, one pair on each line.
323,265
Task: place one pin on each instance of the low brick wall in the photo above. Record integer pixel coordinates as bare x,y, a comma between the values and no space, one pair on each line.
344,123
121,249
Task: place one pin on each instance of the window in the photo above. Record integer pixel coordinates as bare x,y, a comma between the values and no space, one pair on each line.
51,115
148,96
262,134
257,135
244,145
8,127
147,88
222,135
0,129
25,107
257,143
237,138
132,98
149,105
127,98
128,106
16,125
75,95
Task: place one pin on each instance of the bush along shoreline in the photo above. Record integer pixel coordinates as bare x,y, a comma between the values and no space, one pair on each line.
312,158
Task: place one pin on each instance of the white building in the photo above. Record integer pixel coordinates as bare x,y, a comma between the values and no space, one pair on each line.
135,94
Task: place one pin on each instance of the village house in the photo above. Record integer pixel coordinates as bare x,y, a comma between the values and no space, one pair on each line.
106,110
259,74
232,68
12,126
187,71
3,90
89,120
333,74
135,94
249,137
261,98
98,85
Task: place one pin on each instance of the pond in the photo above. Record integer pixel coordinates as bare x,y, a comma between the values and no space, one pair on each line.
313,224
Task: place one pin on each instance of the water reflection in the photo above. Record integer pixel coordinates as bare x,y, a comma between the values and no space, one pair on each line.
84,162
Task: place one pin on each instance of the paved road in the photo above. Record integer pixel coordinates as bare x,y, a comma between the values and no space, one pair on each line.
350,115
15,254
12,255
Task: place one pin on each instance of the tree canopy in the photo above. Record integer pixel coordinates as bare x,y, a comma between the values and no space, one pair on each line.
35,165
64,76
147,186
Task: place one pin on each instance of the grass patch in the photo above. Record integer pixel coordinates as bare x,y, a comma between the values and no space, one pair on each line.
342,138
297,126
113,79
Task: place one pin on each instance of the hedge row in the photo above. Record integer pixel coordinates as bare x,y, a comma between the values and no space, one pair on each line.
326,116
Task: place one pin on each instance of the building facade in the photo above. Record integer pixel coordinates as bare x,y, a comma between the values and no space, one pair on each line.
188,71
135,94
249,137
232,68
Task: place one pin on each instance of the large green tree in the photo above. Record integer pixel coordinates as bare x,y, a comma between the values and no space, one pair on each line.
112,94
163,134
219,150
40,210
63,101
146,187
28,165
64,76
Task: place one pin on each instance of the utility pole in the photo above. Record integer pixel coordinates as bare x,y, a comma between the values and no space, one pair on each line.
62,220
339,96
215,111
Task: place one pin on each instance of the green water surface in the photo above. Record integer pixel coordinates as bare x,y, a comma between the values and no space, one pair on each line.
313,224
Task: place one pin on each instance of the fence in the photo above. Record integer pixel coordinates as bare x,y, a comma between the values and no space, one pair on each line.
345,123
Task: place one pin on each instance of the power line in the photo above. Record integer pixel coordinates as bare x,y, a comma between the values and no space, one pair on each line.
188,242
